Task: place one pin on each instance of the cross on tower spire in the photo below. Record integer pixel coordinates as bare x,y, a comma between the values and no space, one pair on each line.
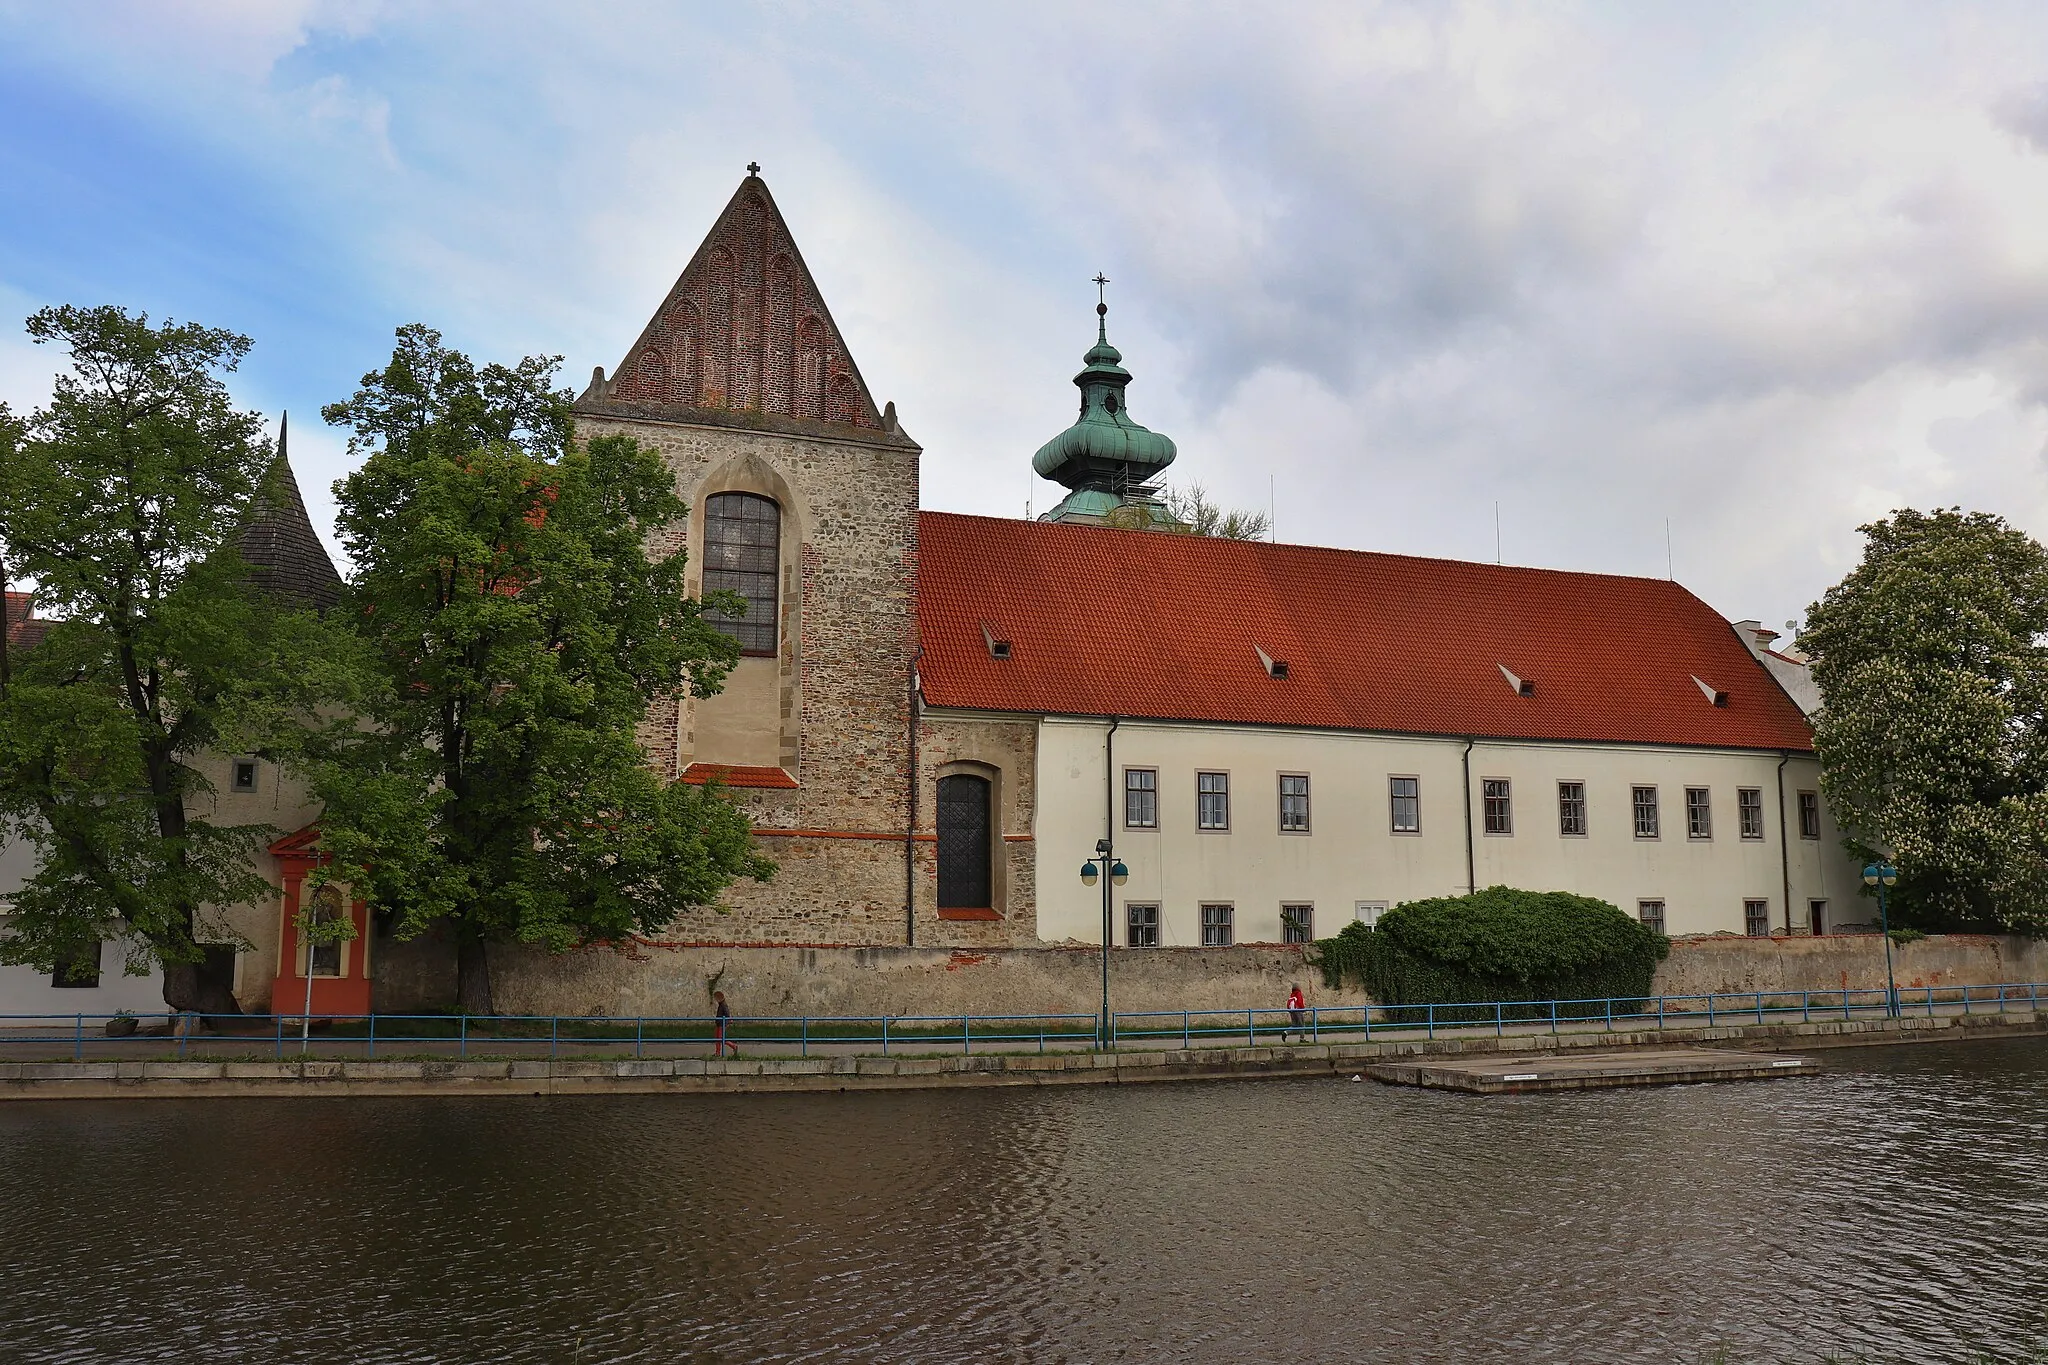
753,168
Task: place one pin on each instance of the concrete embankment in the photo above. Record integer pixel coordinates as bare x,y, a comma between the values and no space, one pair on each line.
141,1079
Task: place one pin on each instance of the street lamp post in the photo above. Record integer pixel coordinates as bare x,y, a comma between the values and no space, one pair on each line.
1881,876
1118,875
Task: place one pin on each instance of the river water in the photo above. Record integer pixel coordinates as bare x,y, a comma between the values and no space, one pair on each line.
1893,1208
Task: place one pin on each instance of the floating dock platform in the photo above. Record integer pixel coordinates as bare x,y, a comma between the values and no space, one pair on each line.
1525,1073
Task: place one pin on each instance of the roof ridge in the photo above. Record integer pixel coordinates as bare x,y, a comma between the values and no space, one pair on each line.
1081,528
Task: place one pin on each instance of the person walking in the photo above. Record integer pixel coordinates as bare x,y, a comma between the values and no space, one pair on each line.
724,1022
1297,1011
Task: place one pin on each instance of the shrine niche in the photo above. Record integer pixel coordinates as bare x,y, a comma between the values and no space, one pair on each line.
338,972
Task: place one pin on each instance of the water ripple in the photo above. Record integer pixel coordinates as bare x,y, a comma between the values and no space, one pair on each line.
1893,1208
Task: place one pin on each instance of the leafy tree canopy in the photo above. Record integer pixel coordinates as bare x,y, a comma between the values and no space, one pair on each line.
1188,511
119,502
515,629
1934,682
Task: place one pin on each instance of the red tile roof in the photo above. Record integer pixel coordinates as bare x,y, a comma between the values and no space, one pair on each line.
24,628
1144,624
734,775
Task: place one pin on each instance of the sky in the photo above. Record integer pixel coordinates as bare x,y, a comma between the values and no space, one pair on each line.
1757,273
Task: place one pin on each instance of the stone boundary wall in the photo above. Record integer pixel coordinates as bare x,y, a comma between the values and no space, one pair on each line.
160,1080
1728,964
823,981
840,979
656,980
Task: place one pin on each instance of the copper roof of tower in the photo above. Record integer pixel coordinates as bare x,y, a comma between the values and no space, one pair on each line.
743,338
279,544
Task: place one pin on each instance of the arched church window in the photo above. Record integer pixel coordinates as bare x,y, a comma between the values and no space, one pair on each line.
742,554
965,844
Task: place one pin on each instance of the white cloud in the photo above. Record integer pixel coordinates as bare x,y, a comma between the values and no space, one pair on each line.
1766,272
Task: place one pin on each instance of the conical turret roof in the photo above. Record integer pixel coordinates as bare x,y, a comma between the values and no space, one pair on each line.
278,543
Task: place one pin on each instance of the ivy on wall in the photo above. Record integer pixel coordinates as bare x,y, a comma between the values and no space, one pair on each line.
1499,944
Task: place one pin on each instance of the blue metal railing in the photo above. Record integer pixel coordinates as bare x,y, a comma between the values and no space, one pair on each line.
553,1036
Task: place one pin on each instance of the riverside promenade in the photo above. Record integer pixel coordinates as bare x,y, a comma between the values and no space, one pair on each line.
216,1066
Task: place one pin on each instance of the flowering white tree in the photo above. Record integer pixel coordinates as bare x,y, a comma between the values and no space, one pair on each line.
1933,734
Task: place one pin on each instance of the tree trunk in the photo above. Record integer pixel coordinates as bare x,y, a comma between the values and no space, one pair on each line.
202,986
472,974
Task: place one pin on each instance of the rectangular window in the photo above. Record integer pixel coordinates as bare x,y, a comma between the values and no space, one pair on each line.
1142,926
1809,815
1294,803
1404,794
1500,813
1644,799
244,779
1756,919
1651,913
1571,808
79,969
1368,912
1212,800
1297,923
1141,798
1749,809
1699,814
1219,923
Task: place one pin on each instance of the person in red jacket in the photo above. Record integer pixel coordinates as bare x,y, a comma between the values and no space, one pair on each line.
1297,1010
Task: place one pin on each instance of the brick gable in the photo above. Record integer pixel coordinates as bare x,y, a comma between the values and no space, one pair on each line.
744,330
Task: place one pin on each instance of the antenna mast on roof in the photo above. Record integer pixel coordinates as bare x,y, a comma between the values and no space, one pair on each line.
1667,551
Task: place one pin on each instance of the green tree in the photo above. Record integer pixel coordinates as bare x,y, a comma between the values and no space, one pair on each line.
1191,507
515,630
119,502
1934,683
1189,512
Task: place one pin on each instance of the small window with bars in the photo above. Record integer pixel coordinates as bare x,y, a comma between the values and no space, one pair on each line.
1404,796
1141,926
1297,923
1651,913
1699,813
1219,926
1499,808
243,775
1749,811
1809,815
1294,803
1644,800
1756,919
1141,798
1571,809
1212,800
742,555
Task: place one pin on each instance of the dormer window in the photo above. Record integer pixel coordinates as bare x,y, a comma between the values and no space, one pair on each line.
1524,687
1275,668
1709,691
998,648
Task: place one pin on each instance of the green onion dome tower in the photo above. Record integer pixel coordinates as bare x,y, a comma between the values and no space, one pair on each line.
1108,460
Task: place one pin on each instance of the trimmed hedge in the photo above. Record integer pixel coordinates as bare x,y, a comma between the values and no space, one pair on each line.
1499,944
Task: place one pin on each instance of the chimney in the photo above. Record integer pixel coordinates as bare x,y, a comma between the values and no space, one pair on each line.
1756,635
